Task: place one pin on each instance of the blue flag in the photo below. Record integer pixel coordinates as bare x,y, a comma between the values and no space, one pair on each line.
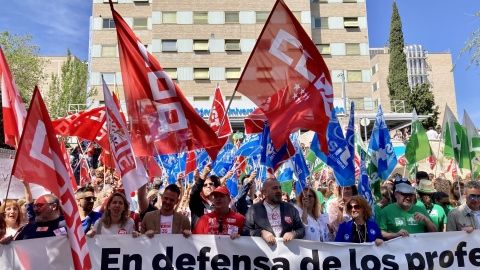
301,167
287,172
202,159
169,162
364,185
225,160
250,145
350,136
383,154
339,153
272,157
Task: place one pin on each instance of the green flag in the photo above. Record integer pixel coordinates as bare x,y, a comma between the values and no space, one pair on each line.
451,135
318,164
418,147
473,143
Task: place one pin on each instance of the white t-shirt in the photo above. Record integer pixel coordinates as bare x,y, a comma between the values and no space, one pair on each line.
316,229
432,134
166,224
11,232
275,218
115,228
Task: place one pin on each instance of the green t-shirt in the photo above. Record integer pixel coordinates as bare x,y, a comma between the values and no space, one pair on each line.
437,215
320,197
331,197
377,210
392,219
449,208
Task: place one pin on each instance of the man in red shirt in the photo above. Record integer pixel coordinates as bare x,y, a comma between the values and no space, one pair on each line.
222,221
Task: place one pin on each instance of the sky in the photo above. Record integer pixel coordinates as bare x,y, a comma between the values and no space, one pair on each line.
437,25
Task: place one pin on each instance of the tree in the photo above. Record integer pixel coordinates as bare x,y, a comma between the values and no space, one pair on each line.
472,47
68,88
397,79
25,65
423,101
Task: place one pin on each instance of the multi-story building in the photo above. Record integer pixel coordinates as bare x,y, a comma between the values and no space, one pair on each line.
204,43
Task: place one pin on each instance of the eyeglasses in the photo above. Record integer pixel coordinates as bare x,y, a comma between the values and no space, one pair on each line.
406,194
356,207
220,227
41,205
208,184
401,180
473,196
90,198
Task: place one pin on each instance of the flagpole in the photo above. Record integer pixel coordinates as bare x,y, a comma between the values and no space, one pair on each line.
10,180
295,171
226,112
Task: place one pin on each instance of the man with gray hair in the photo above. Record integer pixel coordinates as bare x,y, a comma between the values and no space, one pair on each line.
272,218
466,217
49,220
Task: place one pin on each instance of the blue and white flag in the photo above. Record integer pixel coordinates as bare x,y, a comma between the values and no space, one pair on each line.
272,157
350,136
383,155
225,160
338,158
364,185
168,162
250,145
286,173
202,159
301,167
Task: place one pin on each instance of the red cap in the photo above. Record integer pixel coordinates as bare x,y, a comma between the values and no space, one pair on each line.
222,190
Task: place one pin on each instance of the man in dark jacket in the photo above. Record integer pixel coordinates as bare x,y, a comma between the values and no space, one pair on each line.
273,218
201,198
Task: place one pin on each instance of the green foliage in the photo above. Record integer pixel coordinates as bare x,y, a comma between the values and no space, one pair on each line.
397,79
472,47
423,101
69,88
25,66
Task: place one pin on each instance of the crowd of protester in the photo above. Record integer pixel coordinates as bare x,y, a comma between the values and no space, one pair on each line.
323,211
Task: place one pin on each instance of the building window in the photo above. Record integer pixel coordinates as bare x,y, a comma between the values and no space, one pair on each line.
109,51
233,73
298,15
169,17
108,24
200,17
264,73
140,23
171,72
324,49
237,97
352,48
200,44
114,1
375,86
201,74
321,22
204,98
354,76
374,69
109,78
232,45
359,103
169,45
232,17
350,22
349,1
261,16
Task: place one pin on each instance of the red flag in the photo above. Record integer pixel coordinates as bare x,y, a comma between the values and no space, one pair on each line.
67,165
450,165
357,166
84,124
191,164
153,168
84,178
106,158
454,170
217,113
240,166
14,113
129,167
254,122
402,161
39,161
161,119
287,79
432,160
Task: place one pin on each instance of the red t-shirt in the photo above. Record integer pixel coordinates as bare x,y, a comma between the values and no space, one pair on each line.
209,223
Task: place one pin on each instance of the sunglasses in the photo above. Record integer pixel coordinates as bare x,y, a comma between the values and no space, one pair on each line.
444,203
473,196
356,207
401,180
90,198
220,227
208,184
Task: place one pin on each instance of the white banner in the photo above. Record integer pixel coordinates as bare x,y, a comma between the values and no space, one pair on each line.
452,250
17,189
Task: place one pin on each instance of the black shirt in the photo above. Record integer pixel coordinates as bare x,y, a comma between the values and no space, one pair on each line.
50,228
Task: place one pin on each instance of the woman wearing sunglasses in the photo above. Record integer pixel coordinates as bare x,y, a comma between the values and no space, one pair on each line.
310,211
360,229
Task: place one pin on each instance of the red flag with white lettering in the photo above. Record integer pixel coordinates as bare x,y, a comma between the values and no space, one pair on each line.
129,167
67,165
14,113
161,120
39,160
254,122
85,124
84,174
217,113
288,80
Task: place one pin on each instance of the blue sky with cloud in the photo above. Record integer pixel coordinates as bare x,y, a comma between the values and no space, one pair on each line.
438,25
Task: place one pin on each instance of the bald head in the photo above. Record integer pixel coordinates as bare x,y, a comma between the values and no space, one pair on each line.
272,191
268,182
47,207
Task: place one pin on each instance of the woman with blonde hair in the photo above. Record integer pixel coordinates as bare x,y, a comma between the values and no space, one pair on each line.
309,208
115,219
11,212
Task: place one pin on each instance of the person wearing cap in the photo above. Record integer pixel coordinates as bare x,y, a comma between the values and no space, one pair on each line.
466,217
223,220
166,220
272,218
403,217
425,193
